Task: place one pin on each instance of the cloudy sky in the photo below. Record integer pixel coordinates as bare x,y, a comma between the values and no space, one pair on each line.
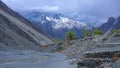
98,8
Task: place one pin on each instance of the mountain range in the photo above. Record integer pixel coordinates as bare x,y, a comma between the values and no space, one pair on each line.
55,24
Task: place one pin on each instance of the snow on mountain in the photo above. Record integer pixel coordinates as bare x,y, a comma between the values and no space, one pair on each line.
55,24
65,22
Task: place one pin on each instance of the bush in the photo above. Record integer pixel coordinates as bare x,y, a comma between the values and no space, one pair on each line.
97,32
70,35
115,31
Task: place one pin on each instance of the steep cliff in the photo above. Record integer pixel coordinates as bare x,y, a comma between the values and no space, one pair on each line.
17,33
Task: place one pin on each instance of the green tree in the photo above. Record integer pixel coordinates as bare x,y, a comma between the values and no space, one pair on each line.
85,32
70,35
96,31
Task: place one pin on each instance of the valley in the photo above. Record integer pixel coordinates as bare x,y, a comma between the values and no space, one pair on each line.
53,40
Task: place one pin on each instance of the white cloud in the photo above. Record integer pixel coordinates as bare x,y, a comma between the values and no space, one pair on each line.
54,8
45,8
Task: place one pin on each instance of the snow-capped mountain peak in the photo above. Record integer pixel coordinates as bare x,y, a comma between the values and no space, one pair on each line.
65,22
55,24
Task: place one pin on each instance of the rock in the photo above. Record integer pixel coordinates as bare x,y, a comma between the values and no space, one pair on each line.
17,33
89,63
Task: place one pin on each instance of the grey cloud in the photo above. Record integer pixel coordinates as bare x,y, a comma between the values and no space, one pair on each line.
99,8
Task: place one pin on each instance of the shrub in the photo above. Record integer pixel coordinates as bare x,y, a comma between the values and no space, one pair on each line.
97,32
115,31
70,35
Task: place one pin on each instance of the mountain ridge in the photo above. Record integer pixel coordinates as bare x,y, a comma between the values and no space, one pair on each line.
54,24
111,24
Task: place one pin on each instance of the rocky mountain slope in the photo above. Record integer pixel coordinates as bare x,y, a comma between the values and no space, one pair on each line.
112,23
88,51
17,33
